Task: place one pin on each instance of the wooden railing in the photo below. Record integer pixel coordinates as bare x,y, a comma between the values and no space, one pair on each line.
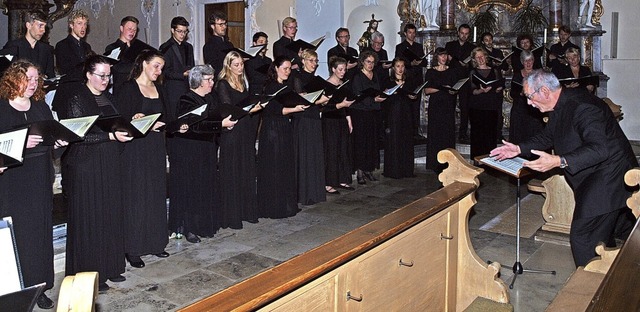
417,258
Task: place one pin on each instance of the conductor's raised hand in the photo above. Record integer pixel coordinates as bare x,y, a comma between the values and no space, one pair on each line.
545,163
508,150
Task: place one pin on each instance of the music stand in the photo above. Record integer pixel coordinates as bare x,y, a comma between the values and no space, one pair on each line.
513,167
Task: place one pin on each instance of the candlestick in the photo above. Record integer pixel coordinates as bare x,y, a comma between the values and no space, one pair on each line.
544,40
474,34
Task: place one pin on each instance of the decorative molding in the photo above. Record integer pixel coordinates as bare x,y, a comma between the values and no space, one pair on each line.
96,6
317,4
474,5
148,8
191,6
371,2
253,8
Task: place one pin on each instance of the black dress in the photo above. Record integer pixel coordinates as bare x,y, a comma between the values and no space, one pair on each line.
483,113
194,194
27,196
337,145
256,70
398,148
366,155
143,177
276,167
525,120
237,163
308,148
92,185
441,116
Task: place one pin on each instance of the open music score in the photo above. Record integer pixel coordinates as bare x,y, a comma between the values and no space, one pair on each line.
512,166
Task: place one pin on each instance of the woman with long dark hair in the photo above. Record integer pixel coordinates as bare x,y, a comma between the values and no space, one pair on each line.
277,186
144,162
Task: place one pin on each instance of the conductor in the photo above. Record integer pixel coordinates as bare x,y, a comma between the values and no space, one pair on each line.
594,154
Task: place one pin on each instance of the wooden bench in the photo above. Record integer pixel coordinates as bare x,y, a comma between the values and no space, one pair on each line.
417,258
610,281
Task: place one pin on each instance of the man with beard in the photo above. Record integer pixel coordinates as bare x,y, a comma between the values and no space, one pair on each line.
219,45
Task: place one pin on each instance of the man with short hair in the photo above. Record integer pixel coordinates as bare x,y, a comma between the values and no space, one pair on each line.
557,50
343,49
179,59
30,47
289,31
72,51
219,45
129,46
256,67
594,154
413,63
377,43
459,50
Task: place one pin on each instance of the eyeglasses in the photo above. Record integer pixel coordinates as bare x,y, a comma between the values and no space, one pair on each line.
368,62
345,36
221,24
182,32
102,77
530,96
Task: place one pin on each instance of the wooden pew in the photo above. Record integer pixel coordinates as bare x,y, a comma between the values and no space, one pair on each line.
417,258
610,281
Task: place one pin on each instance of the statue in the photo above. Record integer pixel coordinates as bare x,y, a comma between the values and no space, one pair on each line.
589,6
431,11
365,40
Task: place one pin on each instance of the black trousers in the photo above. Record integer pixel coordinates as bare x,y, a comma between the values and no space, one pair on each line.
586,233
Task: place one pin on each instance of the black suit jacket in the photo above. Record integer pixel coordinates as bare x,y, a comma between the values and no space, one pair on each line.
70,59
582,129
175,83
215,50
338,51
128,54
280,48
415,72
41,54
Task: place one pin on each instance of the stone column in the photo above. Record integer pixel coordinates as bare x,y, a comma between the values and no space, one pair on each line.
555,14
448,15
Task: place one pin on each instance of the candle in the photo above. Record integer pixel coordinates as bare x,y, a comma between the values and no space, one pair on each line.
474,34
544,40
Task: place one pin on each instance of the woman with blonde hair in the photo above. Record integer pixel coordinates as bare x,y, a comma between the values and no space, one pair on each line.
237,163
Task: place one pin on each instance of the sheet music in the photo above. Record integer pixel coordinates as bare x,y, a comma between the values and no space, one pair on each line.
198,111
392,90
79,125
313,96
12,143
115,54
511,165
144,124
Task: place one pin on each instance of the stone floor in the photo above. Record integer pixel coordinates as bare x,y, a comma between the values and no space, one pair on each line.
196,270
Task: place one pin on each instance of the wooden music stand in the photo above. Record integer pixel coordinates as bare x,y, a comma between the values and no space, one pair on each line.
513,167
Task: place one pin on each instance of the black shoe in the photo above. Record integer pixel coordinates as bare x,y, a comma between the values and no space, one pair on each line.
191,238
253,220
135,261
332,191
103,287
118,279
44,302
369,176
163,254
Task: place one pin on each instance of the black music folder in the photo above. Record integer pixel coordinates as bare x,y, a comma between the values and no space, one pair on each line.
501,60
582,81
12,145
477,80
414,92
190,118
136,128
236,112
412,56
303,45
249,52
456,87
70,130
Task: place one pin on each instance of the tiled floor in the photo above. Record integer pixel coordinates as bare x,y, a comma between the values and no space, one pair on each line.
196,270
